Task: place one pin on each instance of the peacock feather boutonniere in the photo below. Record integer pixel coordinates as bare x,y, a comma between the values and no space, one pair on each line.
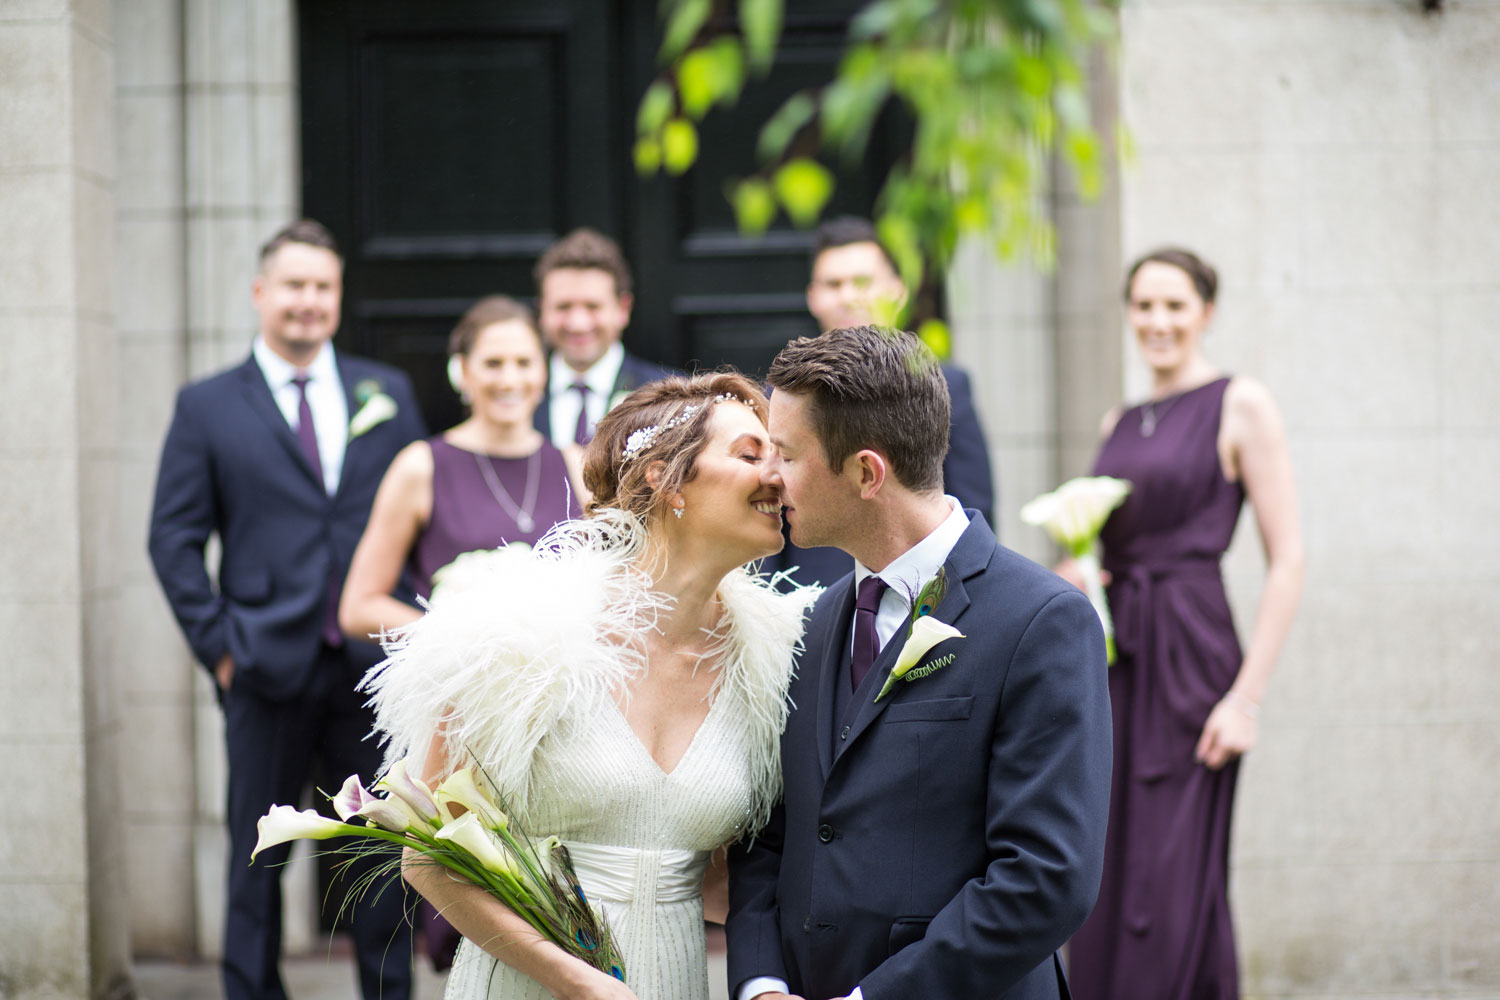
375,407
923,633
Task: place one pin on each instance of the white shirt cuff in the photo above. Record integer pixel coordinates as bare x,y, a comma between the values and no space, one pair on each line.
762,984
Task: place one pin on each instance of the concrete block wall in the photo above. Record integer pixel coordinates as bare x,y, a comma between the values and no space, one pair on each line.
62,902
1336,160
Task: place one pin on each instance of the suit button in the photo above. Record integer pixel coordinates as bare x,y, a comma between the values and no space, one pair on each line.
825,833
844,733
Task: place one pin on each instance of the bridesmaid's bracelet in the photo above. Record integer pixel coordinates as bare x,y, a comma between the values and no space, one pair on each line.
1242,703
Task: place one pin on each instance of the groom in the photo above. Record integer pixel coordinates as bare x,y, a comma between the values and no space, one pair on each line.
943,840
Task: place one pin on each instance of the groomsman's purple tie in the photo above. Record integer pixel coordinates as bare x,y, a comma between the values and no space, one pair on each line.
581,433
307,434
866,642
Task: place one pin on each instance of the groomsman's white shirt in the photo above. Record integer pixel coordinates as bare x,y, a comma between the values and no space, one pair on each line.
325,395
562,402
905,577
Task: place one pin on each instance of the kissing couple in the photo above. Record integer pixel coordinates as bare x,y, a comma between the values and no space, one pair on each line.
910,769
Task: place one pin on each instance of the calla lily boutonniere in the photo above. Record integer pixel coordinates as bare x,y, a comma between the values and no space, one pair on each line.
616,399
926,632
375,407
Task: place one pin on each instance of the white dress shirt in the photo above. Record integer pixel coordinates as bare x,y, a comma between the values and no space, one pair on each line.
562,401
905,577
325,396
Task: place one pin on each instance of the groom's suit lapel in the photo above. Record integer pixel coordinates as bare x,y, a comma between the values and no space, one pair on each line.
967,560
830,663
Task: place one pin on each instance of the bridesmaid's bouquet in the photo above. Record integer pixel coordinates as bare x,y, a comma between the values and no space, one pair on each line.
1073,515
461,827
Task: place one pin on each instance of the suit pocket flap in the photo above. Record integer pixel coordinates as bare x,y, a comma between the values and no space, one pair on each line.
907,930
931,710
247,585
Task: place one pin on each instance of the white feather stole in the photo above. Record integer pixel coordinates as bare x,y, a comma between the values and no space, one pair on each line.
516,644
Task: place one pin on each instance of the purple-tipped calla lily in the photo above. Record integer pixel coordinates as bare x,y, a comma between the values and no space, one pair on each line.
410,790
389,813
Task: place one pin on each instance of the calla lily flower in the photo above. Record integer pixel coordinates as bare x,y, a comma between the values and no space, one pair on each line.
286,823
926,632
468,833
390,813
410,790
460,789
1073,515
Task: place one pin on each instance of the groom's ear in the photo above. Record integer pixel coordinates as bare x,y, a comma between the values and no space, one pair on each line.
869,471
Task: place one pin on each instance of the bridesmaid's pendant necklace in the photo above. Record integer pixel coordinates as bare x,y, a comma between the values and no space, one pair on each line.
521,515
1150,417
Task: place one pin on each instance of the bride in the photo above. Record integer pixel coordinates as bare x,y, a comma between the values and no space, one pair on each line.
624,685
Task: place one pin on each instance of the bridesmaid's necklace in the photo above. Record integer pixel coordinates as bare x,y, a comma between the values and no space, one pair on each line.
522,515
1150,416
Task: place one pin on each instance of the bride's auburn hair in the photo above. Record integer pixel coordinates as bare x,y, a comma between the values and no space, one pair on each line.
616,480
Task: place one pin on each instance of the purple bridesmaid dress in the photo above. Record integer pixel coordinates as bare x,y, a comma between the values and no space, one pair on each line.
468,515
1161,929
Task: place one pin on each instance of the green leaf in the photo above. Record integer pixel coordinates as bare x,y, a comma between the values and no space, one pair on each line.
731,68
683,24
679,145
898,234
754,205
647,155
656,106
935,334
760,22
781,127
709,75
803,187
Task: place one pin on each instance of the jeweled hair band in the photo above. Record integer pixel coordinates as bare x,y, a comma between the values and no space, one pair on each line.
643,437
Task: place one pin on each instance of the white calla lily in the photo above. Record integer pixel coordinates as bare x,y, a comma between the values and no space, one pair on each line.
1073,515
462,789
926,632
287,823
469,833
377,410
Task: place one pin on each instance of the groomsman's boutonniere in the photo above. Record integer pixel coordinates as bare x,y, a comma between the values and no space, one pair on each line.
375,407
616,399
924,632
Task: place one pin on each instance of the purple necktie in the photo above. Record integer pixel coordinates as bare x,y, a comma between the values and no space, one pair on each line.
581,435
866,642
308,436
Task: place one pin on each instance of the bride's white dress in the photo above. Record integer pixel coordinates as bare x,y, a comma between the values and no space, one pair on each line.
514,658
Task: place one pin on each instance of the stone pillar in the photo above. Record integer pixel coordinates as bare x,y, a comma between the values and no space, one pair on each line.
63,926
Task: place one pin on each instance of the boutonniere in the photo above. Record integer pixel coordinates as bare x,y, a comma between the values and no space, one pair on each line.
375,407
922,634
616,399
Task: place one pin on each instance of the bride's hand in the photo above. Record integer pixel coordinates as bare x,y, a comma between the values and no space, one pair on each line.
591,984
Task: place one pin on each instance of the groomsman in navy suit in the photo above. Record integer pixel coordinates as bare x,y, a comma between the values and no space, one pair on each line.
279,457
851,273
583,289
941,831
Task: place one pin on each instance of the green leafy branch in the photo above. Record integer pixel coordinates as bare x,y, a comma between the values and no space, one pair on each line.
993,87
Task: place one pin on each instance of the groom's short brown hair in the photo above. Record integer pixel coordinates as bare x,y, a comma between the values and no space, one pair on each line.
870,387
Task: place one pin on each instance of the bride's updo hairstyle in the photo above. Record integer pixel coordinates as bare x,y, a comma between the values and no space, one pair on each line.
662,425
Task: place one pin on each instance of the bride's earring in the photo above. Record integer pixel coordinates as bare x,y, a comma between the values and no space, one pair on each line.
677,510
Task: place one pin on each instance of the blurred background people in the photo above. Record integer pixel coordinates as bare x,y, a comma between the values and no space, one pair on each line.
280,456
1185,697
583,288
854,282
489,480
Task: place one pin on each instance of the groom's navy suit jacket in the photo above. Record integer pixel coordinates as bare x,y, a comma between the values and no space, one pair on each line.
951,838
231,464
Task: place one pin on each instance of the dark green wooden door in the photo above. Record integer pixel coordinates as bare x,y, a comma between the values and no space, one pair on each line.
447,142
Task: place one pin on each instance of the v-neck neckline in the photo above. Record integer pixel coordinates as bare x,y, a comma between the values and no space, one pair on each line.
715,697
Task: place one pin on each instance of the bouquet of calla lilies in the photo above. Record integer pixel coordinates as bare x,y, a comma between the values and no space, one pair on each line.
1073,515
461,827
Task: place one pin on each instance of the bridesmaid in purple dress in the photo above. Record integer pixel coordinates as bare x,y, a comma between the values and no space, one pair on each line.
1185,697
489,480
